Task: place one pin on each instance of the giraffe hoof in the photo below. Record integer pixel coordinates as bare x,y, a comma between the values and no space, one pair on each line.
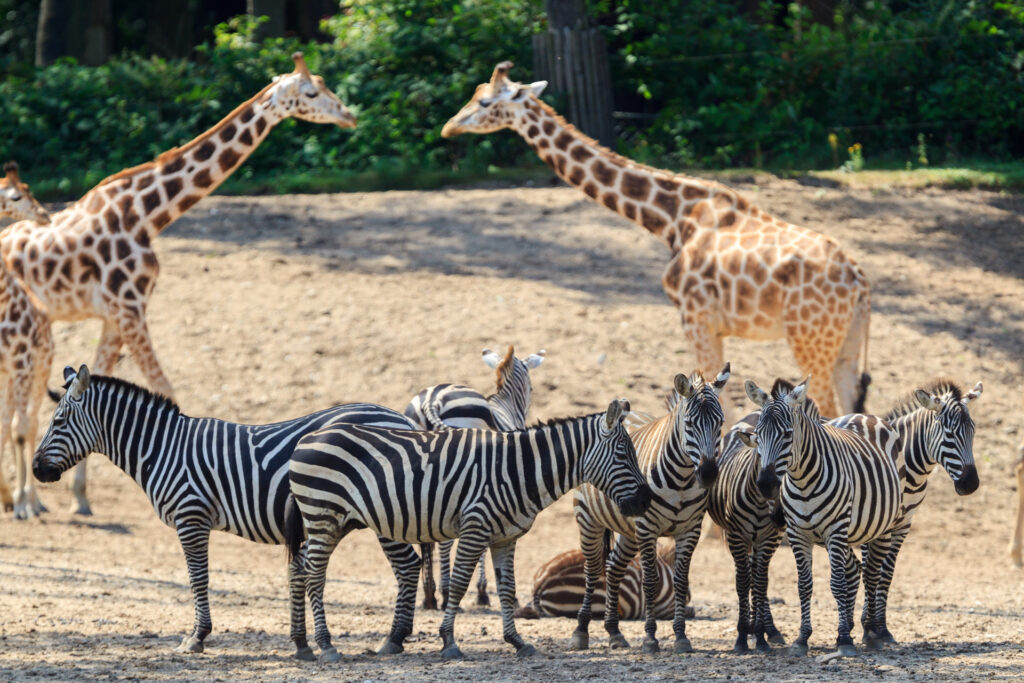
390,647
429,604
329,655
304,654
190,645
526,650
580,640
650,646
81,508
452,652
683,646
618,641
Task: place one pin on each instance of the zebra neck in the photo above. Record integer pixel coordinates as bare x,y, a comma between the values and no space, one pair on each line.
920,437
672,466
508,414
137,434
546,462
804,467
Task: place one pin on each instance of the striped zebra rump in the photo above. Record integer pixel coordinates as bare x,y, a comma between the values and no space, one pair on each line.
559,583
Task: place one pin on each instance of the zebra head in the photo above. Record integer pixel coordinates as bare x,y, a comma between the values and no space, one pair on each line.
514,388
610,463
951,439
698,422
773,435
72,433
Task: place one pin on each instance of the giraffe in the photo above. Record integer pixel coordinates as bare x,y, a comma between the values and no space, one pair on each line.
97,260
16,200
735,270
26,354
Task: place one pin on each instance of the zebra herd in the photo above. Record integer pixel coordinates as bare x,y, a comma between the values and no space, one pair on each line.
459,465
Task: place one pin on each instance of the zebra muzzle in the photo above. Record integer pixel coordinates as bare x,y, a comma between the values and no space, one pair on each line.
967,483
768,484
44,471
707,472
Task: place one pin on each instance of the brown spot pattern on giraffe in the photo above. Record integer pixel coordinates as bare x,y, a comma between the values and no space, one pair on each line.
161,220
150,201
563,140
245,138
669,203
590,189
580,153
611,201
604,174
549,127
651,220
577,175
205,151
228,158
172,187
691,192
635,186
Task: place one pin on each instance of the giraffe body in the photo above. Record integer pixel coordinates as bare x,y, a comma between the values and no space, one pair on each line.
26,354
97,260
735,270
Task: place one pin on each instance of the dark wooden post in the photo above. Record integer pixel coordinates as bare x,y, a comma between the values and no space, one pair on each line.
573,58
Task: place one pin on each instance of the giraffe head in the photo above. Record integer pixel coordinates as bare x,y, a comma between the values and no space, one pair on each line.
16,200
307,97
495,104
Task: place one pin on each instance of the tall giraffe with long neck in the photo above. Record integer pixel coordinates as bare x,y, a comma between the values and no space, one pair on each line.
735,270
97,258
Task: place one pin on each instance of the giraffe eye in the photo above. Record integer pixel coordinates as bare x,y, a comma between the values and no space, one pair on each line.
486,103
16,198
311,94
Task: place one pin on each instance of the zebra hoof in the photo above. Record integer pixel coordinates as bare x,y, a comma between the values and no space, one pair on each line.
798,650
776,638
847,650
683,647
618,641
526,650
741,647
329,655
452,652
190,645
650,646
304,654
580,640
390,647
763,646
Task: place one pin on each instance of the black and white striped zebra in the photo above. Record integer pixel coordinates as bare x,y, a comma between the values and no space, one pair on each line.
935,428
480,486
200,474
840,488
753,527
453,406
677,454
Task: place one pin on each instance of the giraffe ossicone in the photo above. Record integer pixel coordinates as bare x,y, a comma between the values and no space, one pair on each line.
96,259
16,200
735,270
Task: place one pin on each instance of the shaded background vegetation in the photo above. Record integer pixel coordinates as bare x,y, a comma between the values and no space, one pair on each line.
698,83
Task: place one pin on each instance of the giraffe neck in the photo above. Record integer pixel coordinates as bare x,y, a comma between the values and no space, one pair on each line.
149,197
669,206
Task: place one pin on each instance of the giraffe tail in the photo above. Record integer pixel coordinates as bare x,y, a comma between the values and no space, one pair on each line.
864,377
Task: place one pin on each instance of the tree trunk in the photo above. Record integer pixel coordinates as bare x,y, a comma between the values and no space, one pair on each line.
82,29
51,35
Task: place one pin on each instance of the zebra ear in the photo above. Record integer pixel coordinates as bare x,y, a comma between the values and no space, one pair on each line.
755,393
722,378
928,401
491,358
973,393
749,439
69,374
683,386
80,382
615,413
535,359
798,396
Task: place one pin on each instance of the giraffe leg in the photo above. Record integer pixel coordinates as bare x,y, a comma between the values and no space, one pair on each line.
1018,529
24,436
19,504
135,333
40,361
815,353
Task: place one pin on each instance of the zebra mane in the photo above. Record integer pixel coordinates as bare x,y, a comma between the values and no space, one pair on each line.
507,361
781,388
133,391
938,387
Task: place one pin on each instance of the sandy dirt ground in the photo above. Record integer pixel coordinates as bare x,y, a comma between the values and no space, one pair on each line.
270,307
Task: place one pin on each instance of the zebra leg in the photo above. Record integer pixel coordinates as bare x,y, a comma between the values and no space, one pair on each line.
297,600
805,581
838,556
882,634
195,541
685,544
427,572
445,560
764,625
647,543
873,553
592,545
472,544
853,570
615,568
739,550
405,563
481,583
503,557
317,553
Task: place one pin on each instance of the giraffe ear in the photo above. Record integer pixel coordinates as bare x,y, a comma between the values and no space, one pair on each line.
535,359
535,89
755,393
11,171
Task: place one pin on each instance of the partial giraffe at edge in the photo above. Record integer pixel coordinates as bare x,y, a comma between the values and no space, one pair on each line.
97,259
735,270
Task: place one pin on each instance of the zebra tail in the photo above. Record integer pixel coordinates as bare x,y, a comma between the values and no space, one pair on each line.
607,547
294,532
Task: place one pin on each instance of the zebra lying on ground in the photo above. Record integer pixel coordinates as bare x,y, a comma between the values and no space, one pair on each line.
483,487
840,489
677,454
753,529
454,406
200,474
935,427
559,584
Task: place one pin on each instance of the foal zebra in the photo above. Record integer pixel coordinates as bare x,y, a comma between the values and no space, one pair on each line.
935,427
677,454
840,489
200,474
453,406
483,487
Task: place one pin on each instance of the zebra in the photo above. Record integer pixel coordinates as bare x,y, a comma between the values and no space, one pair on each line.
445,406
559,584
480,486
935,427
841,489
200,474
677,454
